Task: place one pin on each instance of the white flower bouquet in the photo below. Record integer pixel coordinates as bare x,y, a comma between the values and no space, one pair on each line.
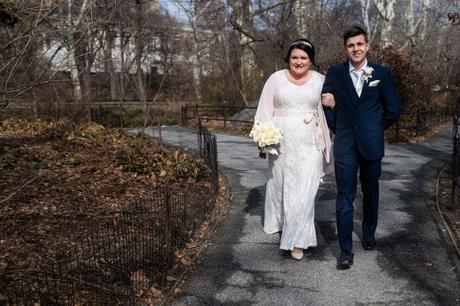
267,136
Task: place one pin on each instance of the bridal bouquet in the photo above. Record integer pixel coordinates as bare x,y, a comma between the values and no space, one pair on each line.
267,136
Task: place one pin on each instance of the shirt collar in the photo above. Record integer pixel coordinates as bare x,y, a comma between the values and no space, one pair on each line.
351,68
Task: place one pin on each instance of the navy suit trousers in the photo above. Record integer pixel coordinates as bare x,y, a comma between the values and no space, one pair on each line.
346,171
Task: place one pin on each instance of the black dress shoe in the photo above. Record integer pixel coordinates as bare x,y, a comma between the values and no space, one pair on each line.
345,260
368,244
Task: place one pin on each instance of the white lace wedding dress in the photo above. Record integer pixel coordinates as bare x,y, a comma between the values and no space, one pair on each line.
294,174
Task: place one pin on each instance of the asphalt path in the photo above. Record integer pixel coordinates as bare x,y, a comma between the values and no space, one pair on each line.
414,262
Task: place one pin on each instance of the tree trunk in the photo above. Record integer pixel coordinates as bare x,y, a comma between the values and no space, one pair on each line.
140,80
248,62
108,64
371,30
34,104
196,63
386,11
72,25
364,4
74,73
300,11
416,31
423,27
122,66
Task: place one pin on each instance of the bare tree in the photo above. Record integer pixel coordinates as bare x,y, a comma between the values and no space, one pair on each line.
194,11
365,9
20,48
306,15
387,13
416,30
73,22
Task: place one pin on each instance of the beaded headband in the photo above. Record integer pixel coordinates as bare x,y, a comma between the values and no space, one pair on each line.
301,42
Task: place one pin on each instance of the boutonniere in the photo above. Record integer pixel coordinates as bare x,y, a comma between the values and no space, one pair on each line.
367,73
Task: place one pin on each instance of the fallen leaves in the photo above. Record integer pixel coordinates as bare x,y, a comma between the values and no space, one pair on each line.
170,278
185,262
449,213
154,292
58,176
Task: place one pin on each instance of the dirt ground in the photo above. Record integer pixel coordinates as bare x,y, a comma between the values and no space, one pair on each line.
57,178
450,212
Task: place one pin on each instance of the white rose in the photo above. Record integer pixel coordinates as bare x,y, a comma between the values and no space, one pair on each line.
368,70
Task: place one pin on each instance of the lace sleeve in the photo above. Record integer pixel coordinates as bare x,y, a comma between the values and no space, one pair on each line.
266,102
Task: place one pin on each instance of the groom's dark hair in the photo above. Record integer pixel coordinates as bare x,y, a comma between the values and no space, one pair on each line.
352,32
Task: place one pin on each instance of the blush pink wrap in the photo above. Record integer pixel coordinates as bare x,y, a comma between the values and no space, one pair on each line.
266,110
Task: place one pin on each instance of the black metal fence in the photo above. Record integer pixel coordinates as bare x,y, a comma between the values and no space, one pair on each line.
113,118
411,124
214,112
118,260
132,114
207,146
416,123
455,161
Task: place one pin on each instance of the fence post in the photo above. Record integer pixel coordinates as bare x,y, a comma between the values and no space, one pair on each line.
418,121
183,114
199,138
196,111
225,117
216,169
397,131
456,144
160,138
168,227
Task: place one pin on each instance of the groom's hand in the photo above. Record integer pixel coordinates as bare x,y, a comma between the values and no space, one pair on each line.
327,99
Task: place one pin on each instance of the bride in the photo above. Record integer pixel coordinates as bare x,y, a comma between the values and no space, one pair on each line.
291,100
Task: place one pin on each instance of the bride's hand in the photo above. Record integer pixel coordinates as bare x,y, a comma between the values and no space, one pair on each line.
327,99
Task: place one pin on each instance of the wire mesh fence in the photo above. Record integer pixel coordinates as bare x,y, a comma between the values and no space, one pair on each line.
117,260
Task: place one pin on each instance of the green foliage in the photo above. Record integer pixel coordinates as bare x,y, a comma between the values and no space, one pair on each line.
139,154
145,157
35,165
22,157
68,161
133,116
168,120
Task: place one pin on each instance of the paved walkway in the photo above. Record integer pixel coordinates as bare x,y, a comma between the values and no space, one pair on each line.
414,262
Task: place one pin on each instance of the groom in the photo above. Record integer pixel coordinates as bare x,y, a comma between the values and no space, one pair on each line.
365,105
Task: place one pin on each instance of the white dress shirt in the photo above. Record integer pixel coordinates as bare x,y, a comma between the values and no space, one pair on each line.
357,76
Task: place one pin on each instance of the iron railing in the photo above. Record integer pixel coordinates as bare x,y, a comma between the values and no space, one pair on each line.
418,122
411,124
214,112
455,161
207,147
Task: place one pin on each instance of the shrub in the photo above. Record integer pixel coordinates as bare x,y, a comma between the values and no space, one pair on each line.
413,87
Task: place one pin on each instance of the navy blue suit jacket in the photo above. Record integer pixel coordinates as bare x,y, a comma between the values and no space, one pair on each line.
361,120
